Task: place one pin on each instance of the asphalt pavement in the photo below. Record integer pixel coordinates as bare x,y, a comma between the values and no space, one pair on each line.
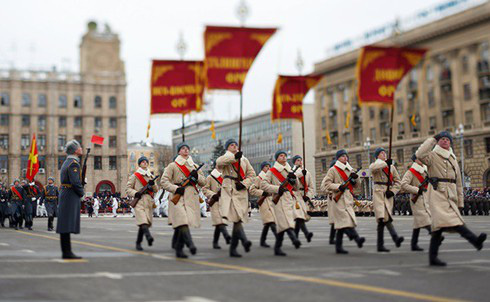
31,268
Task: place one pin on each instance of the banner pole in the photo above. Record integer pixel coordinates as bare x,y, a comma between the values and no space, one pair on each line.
390,146
183,128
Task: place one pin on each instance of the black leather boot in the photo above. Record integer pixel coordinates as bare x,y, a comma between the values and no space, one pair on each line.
139,239
435,242
224,231
186,234
263,236
174,239
352,233
179,243
332,234
216,238
293,238
243,238
277,246
304,229
394,235
466,233
338,242
415,239
65,242
380,241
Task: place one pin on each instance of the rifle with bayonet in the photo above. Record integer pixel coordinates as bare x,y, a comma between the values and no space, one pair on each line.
141,192
346,184
282,185
421,191
84,168
188,181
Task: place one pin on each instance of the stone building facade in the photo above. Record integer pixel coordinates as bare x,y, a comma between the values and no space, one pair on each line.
448,90
159,156
60,106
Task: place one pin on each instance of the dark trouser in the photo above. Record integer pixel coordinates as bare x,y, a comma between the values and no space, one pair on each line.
301,225
184,238
220,229
391,230
352,234
280,239
265,230
144,230
415,236
65,242
435,240
332,234
237,235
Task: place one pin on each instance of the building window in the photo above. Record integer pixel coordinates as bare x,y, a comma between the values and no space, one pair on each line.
41,100
24,141
23,163
468,117
373,134
432,123
347,138
62,101
112,141
79,139
61,142
485,112
132,157
61,160
4,99
429,74
112,102
152,164
112,122
430,98
345,94
324,123
41,122
487,143
112,163
77,101
78,122
357,134
401,128
4,120
359,160
26,120
468,148
323,100
98,122
4,141
384,127
324,142
371,113
335,101
26,100
97,162
399,106
467,91
42,161
448,118
4,162
399,156
464,64
41,140
324,165
152,155
62,122
98,102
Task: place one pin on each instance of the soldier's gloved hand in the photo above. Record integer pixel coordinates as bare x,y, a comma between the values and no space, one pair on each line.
265,194
389,161
354,175
342,189
389,194
215,197
437,136
240,186
306,198
353,182
281,190
180,191
151,182
137,195
421,191
194,174
238,155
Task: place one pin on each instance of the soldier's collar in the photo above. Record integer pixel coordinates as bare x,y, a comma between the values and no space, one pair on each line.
443,152
182,161
216,173
280,167
419,168
74,157
342,166
262,174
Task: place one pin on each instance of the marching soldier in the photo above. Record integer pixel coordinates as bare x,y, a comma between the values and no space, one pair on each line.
69,199
33,193
4,206
212,191
343,209
28,215
383,198
331,215
17,197
143,210
280,180
186,213
50,199
238,176
445,193
307,190
412,183
265,208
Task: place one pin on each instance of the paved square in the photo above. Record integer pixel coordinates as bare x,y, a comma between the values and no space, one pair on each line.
30,268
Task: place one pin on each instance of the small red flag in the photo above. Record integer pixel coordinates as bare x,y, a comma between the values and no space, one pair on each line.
99,140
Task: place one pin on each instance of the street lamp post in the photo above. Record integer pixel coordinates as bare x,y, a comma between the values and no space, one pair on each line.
367,146
460,136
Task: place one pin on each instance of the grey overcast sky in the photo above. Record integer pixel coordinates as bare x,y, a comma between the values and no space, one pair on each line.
40,34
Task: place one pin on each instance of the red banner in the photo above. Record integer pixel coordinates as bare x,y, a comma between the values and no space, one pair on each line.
176,86
99,140
230,52
380,69
32,162
289,92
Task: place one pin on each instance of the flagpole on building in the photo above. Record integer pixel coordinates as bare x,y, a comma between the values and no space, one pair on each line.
181,48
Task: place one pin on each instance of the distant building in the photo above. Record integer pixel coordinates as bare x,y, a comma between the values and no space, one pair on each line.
159,156
61,106
259,138
450,87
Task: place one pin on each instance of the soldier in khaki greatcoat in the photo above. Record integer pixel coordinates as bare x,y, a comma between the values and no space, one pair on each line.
445,193
307,190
